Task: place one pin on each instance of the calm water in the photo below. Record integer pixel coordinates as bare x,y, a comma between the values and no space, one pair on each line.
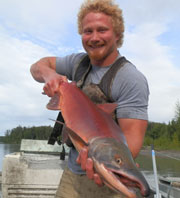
6,149
165,165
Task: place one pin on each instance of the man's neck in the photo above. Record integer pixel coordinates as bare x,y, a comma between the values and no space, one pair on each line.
106,61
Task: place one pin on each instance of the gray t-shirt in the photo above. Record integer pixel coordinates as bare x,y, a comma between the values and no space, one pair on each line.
129,90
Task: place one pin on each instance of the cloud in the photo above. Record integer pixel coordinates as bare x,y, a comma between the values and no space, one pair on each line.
143,44
33,29
45,20
20,98
29,31
138,12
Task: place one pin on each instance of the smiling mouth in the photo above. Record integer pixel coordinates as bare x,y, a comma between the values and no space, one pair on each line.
96,46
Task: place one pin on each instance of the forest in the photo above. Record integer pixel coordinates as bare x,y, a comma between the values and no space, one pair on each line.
15,135
163,136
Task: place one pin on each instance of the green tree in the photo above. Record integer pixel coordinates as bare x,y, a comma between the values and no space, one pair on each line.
177,111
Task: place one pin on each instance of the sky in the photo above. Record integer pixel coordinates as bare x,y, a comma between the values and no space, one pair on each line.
30,30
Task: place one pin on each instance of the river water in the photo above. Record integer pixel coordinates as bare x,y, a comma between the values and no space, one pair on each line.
166,164
7,149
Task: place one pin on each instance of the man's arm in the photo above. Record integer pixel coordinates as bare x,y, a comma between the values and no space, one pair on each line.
134,130
44,70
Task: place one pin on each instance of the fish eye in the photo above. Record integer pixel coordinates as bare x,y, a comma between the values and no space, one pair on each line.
118,160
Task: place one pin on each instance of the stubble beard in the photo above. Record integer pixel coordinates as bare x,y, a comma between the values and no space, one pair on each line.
99,51
96,55
96,51
99,55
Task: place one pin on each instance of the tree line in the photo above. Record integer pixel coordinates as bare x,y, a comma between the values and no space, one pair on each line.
15,135
165,136
162,135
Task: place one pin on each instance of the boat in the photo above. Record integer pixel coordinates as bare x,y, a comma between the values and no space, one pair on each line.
170,186
35,171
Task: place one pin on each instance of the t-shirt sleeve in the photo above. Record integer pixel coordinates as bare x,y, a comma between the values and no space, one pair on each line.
66,65
131,92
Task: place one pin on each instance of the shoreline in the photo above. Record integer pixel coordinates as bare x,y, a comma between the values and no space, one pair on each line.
162,153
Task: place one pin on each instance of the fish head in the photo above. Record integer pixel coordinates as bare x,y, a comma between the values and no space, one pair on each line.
114,163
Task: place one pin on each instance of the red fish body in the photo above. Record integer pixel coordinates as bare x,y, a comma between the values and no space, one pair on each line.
92,125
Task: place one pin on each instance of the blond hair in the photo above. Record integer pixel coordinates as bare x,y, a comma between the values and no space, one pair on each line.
107,7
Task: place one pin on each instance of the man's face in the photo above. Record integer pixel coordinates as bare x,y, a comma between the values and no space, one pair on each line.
98,37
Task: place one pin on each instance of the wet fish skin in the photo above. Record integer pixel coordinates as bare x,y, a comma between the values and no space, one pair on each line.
91,126
116,157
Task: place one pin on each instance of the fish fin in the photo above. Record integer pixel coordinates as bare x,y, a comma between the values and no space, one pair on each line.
107,107
54,102
75,138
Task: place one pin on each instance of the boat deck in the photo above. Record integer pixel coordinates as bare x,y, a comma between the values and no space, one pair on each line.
169,187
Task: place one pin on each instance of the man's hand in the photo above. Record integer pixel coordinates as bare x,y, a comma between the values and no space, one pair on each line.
52,84
87,165
44,71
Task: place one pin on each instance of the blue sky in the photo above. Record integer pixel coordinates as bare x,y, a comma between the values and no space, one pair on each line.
30,30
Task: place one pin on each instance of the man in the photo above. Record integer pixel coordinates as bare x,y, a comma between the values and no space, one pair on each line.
101,27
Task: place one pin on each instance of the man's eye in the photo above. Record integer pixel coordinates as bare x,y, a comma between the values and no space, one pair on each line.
103,30
87,31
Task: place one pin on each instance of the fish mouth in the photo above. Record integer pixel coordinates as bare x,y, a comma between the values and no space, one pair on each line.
123,181
132,181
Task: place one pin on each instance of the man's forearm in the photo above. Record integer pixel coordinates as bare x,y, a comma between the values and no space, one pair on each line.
134,131
42,68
